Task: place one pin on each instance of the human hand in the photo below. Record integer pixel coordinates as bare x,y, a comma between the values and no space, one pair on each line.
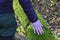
37,26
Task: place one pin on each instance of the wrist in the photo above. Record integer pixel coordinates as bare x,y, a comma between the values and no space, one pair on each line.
36,21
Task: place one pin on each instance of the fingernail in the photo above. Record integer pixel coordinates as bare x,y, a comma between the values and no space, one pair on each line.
40,33
34,32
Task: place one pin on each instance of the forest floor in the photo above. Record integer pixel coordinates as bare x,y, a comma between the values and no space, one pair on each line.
52,16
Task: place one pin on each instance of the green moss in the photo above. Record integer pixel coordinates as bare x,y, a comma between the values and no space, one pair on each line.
20,13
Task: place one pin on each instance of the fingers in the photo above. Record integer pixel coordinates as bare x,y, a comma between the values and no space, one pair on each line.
34,29
38,30
42,30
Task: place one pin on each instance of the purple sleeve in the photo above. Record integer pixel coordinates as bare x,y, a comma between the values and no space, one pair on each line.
29,10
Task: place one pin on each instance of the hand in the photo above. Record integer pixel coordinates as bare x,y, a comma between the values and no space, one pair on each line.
37,26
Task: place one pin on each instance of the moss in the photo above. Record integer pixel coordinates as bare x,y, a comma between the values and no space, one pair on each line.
20,13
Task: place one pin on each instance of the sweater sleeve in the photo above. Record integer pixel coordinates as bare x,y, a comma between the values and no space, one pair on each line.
29,10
